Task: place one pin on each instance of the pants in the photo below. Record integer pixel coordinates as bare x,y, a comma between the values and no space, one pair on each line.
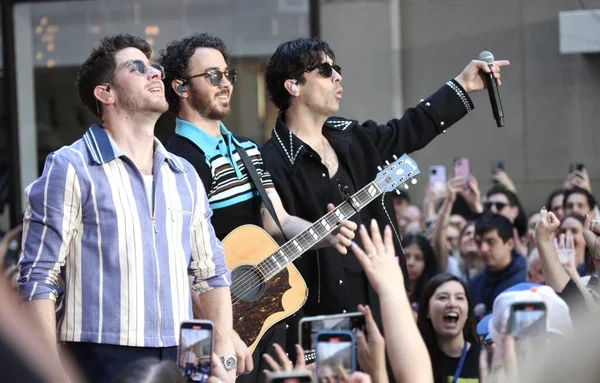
276,334
101,363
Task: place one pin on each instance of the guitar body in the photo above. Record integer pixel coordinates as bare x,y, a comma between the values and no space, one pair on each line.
262,304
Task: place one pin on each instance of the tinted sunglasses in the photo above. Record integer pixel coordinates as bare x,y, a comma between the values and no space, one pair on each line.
139,67
326,69
215,76
499,205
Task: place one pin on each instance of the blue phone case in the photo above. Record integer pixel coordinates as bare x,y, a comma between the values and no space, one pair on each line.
337,332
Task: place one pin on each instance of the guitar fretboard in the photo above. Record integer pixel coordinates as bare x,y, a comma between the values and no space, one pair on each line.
294,248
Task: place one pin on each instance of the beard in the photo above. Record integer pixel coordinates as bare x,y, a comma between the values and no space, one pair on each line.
208,106
140,104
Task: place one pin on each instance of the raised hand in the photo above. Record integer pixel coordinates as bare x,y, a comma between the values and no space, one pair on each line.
565,250
472,79
500,177
371,348
378,259
545,230
591,233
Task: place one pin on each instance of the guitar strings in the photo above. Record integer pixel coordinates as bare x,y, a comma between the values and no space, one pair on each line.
247,277
245,281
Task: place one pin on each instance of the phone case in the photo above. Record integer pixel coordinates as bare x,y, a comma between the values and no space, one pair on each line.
320,318
437,175
462,168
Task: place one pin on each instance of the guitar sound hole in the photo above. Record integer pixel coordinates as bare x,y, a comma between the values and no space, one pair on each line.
248,284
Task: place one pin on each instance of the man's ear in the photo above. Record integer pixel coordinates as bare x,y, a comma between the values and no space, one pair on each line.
178,86
511,243
292,87
103,95
514,210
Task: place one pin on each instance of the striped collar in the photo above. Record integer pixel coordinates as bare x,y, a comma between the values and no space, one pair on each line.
103,149
210,145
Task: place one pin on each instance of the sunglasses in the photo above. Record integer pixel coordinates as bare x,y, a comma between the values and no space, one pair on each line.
139,67
215,76
326,69
499,205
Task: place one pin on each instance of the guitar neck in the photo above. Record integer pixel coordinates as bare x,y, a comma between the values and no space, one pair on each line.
318,231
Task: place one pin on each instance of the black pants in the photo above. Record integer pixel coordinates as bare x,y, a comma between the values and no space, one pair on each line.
101,363
277,335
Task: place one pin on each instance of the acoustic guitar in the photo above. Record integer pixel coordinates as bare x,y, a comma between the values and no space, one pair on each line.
266,287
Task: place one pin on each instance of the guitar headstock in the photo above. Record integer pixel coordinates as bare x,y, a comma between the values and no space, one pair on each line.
397,173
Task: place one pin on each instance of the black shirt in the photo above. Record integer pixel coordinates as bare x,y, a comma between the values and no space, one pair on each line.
304,186
470,370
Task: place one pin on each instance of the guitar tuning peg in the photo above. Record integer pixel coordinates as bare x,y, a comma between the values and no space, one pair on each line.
414,181
379,168
406,186
387,162
397,191
395,157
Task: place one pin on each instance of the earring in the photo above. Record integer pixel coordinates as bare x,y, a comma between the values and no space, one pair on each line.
294,88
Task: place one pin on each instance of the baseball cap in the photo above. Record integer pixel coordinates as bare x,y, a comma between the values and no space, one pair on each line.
558,319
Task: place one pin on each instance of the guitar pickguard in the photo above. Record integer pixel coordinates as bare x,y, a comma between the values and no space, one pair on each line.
251,315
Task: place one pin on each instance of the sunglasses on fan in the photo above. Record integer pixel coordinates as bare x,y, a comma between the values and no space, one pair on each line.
498,205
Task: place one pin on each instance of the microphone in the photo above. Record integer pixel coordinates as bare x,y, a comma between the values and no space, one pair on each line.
492,87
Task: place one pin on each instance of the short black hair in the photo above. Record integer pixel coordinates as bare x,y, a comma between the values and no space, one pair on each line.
489,221
290,61
553,195
175,58
577,190
101,63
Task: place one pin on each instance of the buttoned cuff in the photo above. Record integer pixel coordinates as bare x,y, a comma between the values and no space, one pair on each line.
448,105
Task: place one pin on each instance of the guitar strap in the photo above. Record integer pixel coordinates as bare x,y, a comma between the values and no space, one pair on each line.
259,186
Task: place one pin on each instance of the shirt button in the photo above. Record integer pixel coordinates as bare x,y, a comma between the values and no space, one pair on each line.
227,155
344,311
287,326
427,104
442,123
323,175
340,282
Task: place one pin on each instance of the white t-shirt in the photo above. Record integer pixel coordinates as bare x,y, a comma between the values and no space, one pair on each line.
148,184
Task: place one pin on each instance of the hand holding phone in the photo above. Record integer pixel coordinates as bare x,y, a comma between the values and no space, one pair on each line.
195,350
336,355
289,377
527,319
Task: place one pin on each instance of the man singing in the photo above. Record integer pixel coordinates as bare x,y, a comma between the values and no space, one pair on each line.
315,158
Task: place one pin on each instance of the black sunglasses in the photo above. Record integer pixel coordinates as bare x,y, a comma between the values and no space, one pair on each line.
326,69
215,76
499,205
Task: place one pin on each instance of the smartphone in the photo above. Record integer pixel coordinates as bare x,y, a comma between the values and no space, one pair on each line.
336,355
497,165
462,168
290,377
437,175
309,326
576,166
195,350
527,319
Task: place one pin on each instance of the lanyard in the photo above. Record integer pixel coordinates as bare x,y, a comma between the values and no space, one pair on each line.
461,363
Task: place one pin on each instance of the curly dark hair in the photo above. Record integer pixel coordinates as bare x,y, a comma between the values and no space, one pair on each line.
101,63
175,58
290,61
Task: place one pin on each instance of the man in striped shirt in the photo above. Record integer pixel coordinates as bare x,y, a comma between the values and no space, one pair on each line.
117,229
199,84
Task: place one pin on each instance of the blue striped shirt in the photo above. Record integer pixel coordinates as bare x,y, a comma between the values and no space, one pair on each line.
120,266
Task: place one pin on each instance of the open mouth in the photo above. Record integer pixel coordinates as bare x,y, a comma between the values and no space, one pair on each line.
451,318
155,89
